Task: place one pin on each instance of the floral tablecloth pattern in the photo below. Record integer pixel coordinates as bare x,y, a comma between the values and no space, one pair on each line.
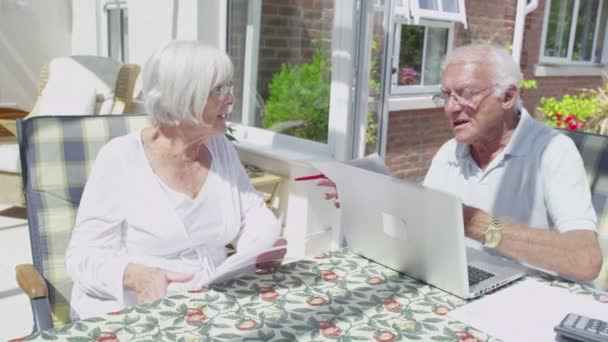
336,296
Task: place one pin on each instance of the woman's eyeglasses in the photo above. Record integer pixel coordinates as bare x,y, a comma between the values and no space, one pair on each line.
223,90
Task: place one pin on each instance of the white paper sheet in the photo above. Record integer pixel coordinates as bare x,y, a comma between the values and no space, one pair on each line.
527,311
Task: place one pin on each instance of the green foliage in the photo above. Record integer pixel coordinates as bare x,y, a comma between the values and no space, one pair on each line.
301,94
574,112
528,84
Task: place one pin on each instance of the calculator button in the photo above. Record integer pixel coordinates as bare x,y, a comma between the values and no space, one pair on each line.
593,325
570,320
603,329
582,323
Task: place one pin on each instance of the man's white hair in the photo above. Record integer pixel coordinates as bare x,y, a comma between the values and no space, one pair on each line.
178,78
505,72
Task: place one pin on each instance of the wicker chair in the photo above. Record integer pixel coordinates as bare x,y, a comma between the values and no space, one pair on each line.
113,84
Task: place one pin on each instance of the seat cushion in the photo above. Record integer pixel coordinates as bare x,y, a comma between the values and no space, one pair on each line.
9,157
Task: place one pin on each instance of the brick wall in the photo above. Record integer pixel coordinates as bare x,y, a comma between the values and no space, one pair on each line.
415,136
289,33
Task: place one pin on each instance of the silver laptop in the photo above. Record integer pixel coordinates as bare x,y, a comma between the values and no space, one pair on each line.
414,230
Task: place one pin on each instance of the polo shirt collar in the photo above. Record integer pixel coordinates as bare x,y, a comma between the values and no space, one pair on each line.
518,145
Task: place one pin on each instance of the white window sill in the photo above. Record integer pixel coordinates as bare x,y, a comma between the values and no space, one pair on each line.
279,146
398,103
541,70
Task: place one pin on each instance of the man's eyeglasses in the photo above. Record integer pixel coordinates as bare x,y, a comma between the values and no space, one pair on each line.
223,90
464,97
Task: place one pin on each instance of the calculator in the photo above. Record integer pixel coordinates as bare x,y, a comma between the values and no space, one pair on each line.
581,328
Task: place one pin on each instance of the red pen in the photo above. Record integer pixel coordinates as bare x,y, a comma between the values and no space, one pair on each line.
317,176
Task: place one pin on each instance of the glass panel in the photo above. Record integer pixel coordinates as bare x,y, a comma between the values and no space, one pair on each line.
428,4
114,33
293,70
450,6
125,35
436,48
601,34
410,55
585,30
558,28
117,39
376,47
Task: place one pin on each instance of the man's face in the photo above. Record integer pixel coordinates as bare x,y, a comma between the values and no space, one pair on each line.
473,110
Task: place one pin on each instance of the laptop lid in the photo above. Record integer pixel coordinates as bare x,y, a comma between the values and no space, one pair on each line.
402,225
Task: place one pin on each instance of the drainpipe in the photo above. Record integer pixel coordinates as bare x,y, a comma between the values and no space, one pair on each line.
523,9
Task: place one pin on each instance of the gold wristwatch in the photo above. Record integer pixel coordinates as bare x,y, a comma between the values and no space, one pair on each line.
492,236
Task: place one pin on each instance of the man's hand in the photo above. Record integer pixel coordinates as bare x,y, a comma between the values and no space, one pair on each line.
150,283
271,260
332,194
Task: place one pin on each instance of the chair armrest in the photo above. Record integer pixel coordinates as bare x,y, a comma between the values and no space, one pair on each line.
30,281
34,286
8,126
12,113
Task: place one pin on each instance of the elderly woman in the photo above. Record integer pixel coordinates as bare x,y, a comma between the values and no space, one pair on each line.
162,203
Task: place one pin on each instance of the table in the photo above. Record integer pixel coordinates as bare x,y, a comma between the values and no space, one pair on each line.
335,296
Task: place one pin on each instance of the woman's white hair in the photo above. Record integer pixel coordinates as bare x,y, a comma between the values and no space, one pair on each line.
505,72
178,78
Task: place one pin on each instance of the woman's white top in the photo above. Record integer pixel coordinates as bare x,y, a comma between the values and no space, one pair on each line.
127,214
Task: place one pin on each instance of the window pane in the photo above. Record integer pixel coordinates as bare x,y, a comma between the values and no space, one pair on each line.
416,66
558,28
293,68
410,55
117,30
114,33
428,4
585,30
436,48
450,6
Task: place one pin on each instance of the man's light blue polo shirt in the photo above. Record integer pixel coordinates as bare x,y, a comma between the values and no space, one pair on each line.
538,180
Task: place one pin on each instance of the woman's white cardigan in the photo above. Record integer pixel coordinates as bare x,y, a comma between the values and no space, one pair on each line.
124,216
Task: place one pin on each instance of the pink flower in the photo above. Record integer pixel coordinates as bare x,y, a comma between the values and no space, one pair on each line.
246,324
269,294
409,75
391,305
316,301
195,316
385,336
466,337
107,337
329,329
374,280
329,275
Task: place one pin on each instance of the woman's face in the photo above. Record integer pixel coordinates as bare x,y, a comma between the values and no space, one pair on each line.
219,103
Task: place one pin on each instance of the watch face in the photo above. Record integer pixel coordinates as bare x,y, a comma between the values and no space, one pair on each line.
493,237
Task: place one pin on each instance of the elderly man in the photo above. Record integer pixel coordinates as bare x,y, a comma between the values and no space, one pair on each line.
523,184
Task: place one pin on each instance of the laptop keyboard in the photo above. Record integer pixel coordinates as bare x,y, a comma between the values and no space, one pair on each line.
477,275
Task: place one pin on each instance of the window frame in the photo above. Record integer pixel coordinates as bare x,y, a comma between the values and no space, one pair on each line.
417,89
412,9
104,29
572,35
340,133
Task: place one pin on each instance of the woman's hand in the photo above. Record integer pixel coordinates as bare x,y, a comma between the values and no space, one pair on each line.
271,260
332,194
150,283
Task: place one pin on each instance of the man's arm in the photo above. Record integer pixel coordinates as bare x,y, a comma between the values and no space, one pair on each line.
575,253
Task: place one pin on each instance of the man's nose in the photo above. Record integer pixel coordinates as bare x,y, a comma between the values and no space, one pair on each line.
451,105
